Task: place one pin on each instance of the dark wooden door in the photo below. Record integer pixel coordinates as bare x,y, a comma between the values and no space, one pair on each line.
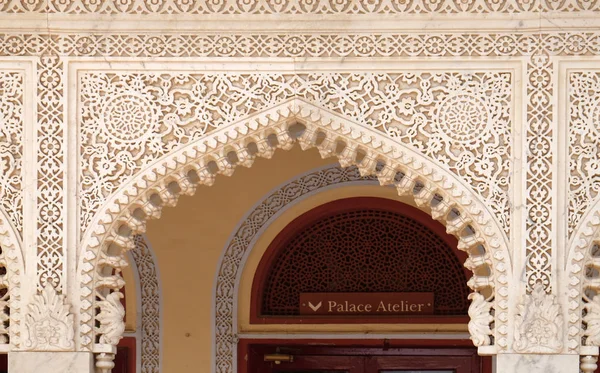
379,364
364,360
317,364
121,360
419,364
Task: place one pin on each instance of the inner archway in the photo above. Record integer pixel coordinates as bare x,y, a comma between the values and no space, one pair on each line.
351,252
361,245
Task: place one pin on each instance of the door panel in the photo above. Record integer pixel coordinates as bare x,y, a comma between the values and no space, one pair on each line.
317,364
419,364
330,359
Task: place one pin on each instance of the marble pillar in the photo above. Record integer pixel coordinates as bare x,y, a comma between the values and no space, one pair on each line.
50,362
528,363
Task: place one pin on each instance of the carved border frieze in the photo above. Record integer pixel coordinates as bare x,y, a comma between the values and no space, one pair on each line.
50,201
295,7
539,132
301,44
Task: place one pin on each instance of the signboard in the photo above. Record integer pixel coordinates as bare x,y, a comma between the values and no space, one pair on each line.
357,304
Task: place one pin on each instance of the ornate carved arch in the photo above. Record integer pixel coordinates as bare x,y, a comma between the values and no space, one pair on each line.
583,264
198,163
11,269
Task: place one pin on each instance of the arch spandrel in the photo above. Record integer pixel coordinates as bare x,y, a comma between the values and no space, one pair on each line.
220,152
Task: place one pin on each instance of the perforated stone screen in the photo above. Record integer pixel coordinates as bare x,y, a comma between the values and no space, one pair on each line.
363,250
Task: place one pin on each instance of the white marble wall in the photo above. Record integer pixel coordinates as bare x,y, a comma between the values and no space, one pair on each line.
50,362
528,363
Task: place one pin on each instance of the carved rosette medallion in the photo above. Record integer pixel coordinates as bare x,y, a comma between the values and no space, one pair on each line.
463,119
48,322
128,118
539,323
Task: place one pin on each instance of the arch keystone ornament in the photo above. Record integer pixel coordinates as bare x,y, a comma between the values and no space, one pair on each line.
279,127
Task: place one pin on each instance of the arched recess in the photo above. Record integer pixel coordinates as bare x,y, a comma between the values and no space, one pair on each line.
450,201
327,248
149,305
583,271
250,230
11,270
243,240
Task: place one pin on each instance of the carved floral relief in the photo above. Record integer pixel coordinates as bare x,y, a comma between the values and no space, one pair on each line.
539,323
462,120
584,143
49,322
12,124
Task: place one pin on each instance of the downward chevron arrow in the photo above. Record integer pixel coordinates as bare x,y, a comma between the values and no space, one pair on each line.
315,308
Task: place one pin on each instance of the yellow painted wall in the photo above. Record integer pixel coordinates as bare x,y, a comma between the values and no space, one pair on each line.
189,239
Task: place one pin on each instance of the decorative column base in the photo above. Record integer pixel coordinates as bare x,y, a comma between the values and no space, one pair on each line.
530,363
51,362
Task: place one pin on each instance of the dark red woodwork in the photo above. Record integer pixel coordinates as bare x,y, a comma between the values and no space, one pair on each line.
363,245
124,302
362,356
125,358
